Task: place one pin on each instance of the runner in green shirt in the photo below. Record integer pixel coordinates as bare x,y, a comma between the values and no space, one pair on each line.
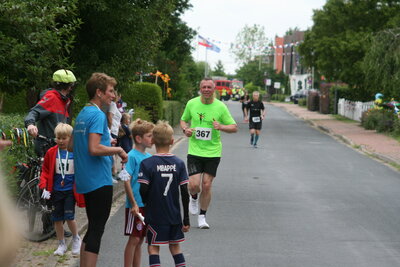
207,117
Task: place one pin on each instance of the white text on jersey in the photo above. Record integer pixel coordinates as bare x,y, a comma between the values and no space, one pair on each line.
166,168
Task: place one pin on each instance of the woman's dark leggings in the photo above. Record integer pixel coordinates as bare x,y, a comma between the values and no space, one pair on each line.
98,207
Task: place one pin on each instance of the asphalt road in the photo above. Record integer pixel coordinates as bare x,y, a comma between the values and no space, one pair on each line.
299,199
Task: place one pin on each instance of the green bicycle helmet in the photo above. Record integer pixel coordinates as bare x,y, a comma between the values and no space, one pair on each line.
64,76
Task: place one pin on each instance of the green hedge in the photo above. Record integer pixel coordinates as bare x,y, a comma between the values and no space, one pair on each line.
18,152
141,113
250,87
80,99
381,120
146,95
302,102
15,103
279,97
396,127
173,112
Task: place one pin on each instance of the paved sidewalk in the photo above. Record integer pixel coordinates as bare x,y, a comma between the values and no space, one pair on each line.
378,145
41,254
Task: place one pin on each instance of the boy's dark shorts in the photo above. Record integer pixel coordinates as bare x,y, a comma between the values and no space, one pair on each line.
164,234
196,164
255,125
63,203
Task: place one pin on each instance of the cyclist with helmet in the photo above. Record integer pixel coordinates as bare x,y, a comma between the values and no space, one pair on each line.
51,109
43,118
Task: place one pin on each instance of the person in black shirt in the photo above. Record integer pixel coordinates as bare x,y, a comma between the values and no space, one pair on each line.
254,114
244,100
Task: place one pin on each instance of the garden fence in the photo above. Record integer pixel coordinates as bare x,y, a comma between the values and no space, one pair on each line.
353,109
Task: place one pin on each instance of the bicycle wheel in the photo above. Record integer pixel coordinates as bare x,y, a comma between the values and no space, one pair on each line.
36,221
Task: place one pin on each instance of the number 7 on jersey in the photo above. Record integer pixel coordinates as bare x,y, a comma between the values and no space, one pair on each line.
170,176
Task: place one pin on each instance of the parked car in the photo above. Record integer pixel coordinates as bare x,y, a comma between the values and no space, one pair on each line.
298,95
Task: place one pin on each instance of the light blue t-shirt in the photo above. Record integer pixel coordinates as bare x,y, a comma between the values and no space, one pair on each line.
91,172
135,157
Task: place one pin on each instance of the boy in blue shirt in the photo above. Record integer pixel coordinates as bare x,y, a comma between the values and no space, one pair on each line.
134,227
160,178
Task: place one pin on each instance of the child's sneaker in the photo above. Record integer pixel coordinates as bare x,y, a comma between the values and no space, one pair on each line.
76,245
62,248
194,205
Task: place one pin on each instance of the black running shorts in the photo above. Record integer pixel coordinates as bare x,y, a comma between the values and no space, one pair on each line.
196,164
255,125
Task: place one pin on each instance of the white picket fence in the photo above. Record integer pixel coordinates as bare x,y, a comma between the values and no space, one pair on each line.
353,110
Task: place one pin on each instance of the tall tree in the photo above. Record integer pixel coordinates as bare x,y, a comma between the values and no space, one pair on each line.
250,41
290,31
175,52
121,37
219,69
341,35
251,73
382,64
36,38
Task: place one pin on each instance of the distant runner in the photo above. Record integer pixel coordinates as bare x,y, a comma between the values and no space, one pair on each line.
254,114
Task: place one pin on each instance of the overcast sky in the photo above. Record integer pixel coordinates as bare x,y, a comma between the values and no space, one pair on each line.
222,20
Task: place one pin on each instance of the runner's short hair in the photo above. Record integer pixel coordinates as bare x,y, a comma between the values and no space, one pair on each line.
206,79
162,133
140,127
63,129
100,81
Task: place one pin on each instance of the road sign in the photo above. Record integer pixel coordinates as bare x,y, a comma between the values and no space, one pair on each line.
277,85
268,82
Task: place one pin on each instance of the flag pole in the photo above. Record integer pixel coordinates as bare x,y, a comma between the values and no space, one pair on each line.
206,66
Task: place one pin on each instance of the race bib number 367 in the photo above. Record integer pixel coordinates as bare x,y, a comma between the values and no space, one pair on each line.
203,133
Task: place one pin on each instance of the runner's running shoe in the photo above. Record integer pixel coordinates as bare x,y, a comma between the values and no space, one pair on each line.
202,222
194,205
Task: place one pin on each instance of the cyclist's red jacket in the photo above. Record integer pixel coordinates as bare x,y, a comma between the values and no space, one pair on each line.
47,176
48,112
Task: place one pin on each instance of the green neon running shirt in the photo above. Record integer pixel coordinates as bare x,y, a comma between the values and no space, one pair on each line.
206,141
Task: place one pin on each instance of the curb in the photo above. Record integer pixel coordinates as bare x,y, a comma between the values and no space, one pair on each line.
344,139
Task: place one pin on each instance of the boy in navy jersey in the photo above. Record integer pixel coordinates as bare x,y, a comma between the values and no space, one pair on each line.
160,178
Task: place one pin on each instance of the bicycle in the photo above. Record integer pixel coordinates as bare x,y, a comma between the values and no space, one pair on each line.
36,212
